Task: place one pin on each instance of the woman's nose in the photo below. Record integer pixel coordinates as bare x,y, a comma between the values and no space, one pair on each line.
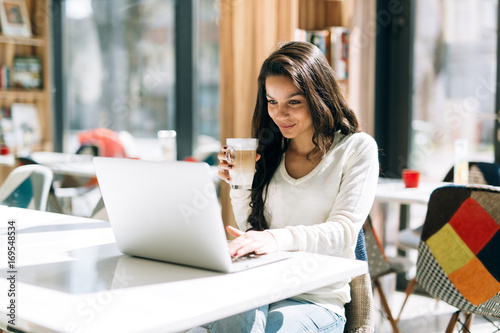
282,111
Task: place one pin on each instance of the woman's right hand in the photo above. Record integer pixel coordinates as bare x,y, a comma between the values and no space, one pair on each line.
224,165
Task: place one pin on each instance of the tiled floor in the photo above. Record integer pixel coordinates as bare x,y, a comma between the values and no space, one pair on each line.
425,315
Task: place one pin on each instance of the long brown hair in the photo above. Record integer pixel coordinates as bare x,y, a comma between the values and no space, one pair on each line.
309,70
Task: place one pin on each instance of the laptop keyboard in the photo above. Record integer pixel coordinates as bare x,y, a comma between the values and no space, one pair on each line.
246,257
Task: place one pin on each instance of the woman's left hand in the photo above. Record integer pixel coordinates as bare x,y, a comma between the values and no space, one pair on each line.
260,242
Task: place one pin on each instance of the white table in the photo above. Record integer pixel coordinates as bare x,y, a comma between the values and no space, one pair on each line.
72,278
8,160
393,193
81,165
394,190
66,164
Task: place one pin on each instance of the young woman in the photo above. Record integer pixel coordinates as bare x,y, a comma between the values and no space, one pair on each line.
314,185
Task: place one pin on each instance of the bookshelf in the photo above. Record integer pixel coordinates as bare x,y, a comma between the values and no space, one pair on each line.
327,18
37,45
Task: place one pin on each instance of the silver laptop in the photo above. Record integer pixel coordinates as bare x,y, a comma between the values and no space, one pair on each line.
168,211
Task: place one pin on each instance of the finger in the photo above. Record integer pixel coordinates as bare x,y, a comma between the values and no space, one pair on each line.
225,166
257,157
234,246
224,175
222,156
233,231
239,246
251,247
260,242
223,163
244,245
237,249
223,169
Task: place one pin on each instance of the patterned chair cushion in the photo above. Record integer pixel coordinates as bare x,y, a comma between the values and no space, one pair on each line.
459,246
379,264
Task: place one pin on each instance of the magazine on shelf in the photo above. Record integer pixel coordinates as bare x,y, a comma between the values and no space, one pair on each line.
27,72
14,19
25,124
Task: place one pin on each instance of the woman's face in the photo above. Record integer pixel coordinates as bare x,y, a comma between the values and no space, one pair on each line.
288,108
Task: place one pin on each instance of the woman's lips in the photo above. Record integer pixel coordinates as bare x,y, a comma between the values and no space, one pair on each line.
286,127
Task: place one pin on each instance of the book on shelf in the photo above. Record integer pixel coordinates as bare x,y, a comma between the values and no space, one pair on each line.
7,128
4,150
27,72
339,40
4,77
320,38
334,43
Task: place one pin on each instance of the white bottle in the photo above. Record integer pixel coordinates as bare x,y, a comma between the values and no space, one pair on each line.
168,144
461,166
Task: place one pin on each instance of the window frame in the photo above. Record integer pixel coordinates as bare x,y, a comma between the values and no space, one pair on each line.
394,87
186,112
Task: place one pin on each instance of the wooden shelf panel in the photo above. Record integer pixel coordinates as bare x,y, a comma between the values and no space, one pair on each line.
33,41
39,12
22,93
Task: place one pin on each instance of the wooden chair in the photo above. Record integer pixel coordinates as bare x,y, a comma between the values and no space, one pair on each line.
359,312
381,265
458,250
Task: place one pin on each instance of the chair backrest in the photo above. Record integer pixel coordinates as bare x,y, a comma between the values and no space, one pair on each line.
359,312
484,173
27,186
53,204
377,260
91,150
458,250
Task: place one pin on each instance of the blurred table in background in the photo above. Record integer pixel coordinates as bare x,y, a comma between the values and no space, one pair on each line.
65,164
393,195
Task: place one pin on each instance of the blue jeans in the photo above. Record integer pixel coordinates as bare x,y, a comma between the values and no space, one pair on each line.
286,316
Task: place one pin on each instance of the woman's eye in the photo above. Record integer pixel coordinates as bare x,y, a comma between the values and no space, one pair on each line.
294,102
270,101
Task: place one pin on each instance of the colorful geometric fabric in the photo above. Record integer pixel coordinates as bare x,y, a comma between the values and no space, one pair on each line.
459,250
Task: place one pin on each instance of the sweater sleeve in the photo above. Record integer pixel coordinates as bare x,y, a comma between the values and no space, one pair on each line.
338,234
240,201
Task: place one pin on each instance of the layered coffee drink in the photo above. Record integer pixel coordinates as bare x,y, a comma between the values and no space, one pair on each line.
242,154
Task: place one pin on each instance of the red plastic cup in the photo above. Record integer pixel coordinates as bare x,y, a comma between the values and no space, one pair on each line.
4,150
410,178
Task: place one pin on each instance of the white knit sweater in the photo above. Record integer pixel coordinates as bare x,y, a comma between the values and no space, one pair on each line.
323,211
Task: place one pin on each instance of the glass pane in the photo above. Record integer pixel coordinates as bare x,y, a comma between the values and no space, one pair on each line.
119,66
208,67
208,78
454,82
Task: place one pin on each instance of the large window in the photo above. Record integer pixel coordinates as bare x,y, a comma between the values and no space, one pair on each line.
119,67
207,60
454,86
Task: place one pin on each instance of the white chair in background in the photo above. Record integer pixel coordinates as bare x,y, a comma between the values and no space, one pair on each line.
27,186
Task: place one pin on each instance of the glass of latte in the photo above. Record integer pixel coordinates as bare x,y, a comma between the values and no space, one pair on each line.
242,154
